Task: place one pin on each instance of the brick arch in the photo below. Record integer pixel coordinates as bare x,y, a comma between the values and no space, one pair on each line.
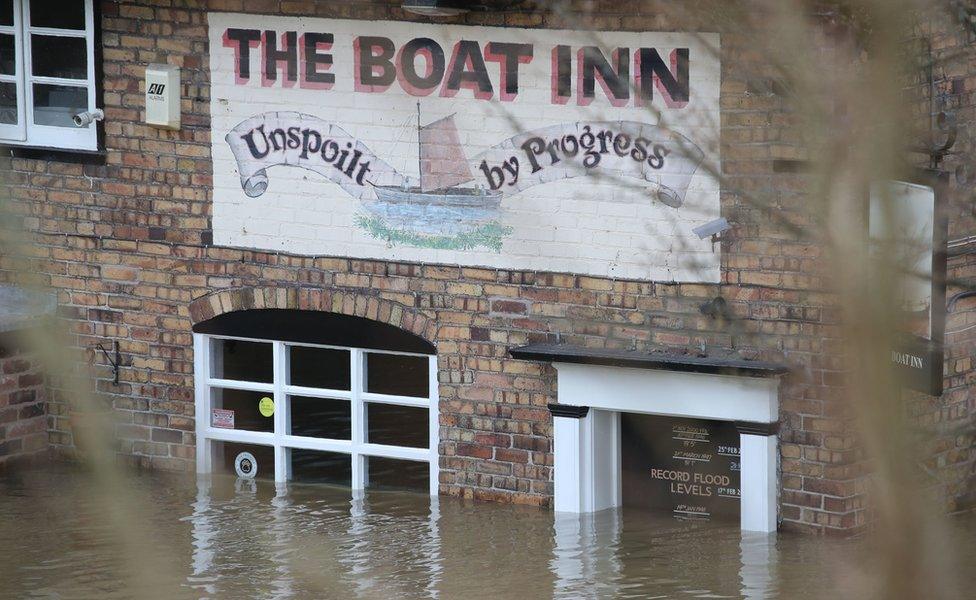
335,301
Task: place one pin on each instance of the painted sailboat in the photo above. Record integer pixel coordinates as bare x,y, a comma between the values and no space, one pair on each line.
439,206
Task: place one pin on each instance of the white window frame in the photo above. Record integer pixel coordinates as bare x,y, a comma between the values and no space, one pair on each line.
16,131
26,132
357,447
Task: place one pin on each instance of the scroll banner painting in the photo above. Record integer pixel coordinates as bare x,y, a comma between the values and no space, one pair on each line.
531,149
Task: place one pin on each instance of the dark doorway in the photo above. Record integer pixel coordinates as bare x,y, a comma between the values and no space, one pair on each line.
689,467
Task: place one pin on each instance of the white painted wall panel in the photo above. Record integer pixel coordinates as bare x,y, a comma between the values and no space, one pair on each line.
604,226
671,393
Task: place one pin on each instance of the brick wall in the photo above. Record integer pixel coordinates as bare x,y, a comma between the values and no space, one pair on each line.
950,455
127,246
23,420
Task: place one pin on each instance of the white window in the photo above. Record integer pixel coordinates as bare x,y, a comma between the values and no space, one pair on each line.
315,413
47,73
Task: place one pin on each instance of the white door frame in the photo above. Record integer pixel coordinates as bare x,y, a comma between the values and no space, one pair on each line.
586,430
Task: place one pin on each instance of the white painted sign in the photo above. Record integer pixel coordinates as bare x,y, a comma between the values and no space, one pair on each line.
501,147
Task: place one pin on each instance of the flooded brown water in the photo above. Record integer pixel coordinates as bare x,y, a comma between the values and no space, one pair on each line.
61,538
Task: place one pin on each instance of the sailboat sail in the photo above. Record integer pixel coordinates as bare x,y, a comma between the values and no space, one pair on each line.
442,160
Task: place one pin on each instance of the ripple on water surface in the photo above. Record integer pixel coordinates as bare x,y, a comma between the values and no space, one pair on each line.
62,535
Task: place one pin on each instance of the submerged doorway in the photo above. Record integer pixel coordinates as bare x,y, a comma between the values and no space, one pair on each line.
597,387
316,397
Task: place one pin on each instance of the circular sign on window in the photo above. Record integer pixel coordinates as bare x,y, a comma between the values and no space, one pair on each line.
266,406
246,465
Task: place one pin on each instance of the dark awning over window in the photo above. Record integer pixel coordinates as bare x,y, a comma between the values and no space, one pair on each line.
635,359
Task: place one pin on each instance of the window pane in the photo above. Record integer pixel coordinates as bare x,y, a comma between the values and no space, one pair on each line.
8,56
397,374
397,425
53,56
6,12
244,404
56,105
310,466
57,14
8,103
390,473
225,453
321,418
243,361
319,367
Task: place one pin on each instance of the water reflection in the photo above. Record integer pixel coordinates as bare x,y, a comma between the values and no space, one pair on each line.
282,534
757,553
204,533
237,540
581,572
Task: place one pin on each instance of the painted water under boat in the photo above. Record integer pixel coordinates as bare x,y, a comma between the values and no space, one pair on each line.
438,211
450,212
455,196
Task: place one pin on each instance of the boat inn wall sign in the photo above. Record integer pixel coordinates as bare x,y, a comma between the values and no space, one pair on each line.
531,149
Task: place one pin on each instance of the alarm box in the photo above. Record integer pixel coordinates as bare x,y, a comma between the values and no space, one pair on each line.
163,96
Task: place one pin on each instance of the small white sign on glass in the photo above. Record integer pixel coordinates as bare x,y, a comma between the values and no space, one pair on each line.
222,418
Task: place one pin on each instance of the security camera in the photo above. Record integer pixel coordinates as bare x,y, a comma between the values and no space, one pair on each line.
84,119
712,228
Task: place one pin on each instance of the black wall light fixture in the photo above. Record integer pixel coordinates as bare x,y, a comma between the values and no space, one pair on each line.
114,363
437,8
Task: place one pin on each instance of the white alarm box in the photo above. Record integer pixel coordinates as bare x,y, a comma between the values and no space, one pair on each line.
163,96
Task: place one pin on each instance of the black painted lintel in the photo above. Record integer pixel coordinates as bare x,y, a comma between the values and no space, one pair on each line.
753,428
568,410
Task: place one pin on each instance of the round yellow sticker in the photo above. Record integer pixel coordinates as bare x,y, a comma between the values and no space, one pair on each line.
266,406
